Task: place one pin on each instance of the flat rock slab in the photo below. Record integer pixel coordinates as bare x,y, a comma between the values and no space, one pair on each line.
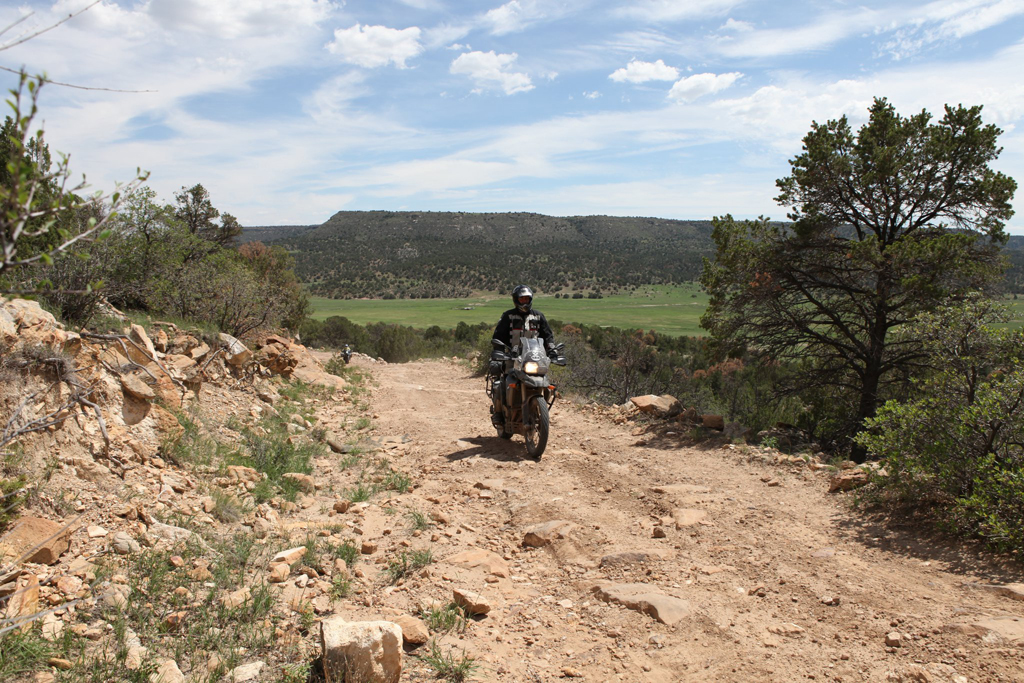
992,629
684,517
49,539
490,562
135,387
645,598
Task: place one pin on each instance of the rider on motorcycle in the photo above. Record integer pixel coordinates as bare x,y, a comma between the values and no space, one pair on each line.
514,324
523,318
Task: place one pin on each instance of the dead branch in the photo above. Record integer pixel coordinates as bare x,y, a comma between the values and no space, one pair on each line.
80,393
209,360
30,36
99,419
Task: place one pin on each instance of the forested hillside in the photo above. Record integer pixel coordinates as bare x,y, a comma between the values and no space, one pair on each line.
410,254
427,254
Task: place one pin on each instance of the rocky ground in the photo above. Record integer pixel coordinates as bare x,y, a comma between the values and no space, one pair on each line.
625,554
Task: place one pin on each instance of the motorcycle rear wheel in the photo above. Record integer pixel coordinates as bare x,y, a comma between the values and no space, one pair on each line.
537,433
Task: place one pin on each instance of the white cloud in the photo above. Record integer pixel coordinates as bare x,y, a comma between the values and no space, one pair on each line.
333,98
516,15
912,27
814,35
234,18
946,20
489,70
671,10
445,34
506,19
690,88
737,26
591,94
641,72
423,4
374,46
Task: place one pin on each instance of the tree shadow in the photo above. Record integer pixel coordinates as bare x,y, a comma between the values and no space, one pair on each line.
493,447
671,436
916,537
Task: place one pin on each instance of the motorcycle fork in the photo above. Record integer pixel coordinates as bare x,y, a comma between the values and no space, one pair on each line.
529,396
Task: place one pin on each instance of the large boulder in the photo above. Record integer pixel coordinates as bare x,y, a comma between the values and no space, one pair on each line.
143,352
662,406
278,357
540,535
236,352
311,372
8,328
716,422
848,480
361,651
133,386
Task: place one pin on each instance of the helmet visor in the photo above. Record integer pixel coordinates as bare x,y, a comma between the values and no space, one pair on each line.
525,299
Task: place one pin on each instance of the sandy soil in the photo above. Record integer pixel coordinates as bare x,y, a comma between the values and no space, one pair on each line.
783,581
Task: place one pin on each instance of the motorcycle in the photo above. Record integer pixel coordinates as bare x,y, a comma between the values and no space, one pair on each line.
522,394
346,354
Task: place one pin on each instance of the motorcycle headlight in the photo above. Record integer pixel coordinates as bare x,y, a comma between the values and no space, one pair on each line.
531,367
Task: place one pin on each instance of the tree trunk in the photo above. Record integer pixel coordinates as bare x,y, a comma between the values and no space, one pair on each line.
867,407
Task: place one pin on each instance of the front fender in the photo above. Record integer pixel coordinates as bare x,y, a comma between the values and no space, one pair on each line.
533,381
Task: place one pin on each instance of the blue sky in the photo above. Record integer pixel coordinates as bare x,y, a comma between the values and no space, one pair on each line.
290,110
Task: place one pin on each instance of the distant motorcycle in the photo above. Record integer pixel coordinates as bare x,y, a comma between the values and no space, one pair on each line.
346,354
523,393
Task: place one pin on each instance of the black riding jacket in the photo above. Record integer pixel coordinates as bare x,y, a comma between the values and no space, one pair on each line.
512,319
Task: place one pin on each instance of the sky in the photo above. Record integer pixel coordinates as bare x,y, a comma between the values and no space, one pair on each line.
290,110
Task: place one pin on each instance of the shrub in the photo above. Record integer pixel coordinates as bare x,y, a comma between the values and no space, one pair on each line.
956,449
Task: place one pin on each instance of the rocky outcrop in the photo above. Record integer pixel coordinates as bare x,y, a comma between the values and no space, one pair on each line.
290,359
25,323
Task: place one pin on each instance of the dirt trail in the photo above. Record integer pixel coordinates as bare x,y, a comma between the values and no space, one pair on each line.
783,582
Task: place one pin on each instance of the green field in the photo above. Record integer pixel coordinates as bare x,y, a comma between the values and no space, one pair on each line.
671,310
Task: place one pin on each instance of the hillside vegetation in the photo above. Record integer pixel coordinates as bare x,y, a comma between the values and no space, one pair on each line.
386,254
424,254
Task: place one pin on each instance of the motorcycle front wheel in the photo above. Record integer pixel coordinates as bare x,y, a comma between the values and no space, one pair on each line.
537,432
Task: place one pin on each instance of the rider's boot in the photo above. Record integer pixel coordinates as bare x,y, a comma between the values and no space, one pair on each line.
497,419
